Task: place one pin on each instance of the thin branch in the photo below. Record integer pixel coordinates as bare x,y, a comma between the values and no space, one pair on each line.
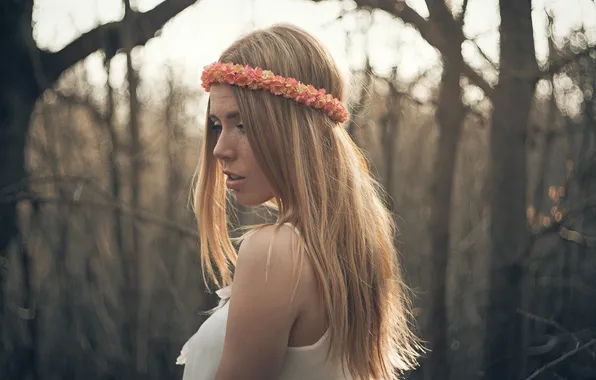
107,37
52,179
564,231
418,78
440,12
342,14
557,66
407,94
556,325
142,215
464,9
14,193
483,54
561,359
577,237
86,103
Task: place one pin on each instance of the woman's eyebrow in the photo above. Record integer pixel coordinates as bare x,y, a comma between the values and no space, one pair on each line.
229,115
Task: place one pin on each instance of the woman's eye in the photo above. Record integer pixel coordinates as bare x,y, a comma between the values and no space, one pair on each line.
241,126
216,128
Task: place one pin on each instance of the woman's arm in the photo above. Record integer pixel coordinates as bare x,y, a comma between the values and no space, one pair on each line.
262,311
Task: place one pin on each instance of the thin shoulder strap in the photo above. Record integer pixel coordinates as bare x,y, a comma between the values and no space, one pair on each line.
295,229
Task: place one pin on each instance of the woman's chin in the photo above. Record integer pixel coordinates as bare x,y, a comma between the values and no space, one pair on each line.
244,199
247,200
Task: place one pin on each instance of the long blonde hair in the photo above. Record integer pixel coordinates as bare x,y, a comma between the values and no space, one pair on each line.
325,190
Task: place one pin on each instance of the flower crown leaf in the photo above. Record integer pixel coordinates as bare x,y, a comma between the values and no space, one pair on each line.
289,88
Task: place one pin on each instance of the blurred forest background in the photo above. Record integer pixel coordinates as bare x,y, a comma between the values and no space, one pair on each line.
491,169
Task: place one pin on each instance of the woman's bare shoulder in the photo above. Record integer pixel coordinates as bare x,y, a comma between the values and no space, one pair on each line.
262,310
269,256
279,238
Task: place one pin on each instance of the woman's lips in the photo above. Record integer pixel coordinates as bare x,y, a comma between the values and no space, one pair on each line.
235,183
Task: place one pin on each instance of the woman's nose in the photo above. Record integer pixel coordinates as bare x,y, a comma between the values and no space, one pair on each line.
223,148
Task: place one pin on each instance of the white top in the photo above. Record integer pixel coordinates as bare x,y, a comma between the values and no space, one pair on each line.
202,353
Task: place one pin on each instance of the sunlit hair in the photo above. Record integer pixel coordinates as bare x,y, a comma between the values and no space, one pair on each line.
325,190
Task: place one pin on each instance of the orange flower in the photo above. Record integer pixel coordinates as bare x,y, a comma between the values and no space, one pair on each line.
230,78
291,92
244,80
277,90
267,75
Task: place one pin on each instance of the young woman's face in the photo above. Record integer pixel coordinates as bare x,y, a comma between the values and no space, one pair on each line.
243,174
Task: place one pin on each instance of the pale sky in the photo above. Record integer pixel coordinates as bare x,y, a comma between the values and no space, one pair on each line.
196,36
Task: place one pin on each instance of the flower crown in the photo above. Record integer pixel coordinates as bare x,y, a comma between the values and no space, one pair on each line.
289,88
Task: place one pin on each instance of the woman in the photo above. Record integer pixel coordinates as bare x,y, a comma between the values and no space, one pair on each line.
318,294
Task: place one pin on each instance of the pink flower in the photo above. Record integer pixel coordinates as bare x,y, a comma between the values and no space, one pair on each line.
230,78
244,80
278,86
291,92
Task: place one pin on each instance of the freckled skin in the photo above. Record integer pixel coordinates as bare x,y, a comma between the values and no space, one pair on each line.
233,149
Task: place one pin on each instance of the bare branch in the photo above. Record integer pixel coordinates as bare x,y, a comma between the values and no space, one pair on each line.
564,230
87,104
439,11
557,66
405,94
556,325
478,80
125,209
577,237
408,95
483,54
464,9
107,37
561,359
418,78
342,14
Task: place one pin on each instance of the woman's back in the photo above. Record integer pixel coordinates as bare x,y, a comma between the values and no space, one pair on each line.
201,355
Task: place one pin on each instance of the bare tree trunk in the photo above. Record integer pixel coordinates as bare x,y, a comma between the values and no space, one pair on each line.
549,137
133,300
113,154
18,92
172,130
12,174
57,148
29,365
589,132
391,124
173,175
504,355
450,115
